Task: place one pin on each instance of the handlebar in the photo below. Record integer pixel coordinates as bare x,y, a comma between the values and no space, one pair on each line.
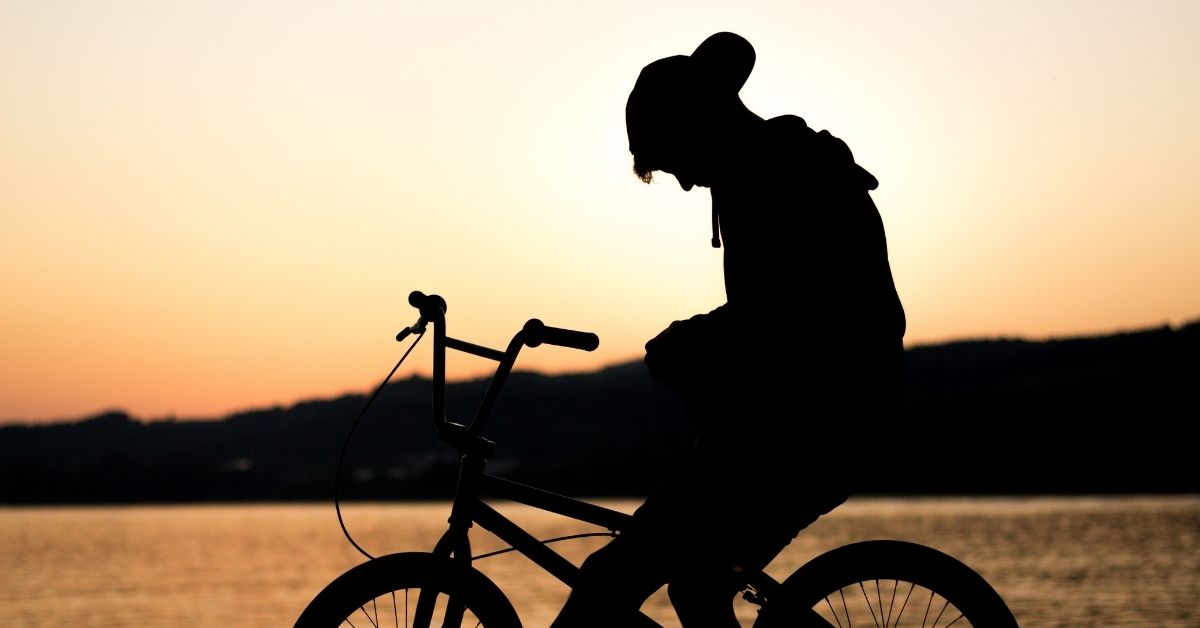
537,333
432,310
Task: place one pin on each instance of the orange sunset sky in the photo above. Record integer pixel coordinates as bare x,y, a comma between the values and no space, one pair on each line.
213,206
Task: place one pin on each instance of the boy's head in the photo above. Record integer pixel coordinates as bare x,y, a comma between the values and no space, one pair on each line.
677,99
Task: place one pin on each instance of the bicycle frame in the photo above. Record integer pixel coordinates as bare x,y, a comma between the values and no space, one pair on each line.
468,508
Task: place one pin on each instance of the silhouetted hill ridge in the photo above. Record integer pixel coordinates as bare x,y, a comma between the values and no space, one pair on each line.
1097,414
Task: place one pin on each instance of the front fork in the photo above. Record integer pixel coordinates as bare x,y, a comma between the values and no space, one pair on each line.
455,544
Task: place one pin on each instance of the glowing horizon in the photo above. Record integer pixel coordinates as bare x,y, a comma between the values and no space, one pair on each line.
213,207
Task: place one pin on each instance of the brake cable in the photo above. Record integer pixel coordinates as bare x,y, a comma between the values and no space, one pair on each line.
337,475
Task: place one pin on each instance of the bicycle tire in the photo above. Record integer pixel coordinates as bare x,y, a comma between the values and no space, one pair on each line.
385,591
886,583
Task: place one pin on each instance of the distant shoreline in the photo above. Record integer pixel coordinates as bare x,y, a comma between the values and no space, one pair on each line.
921,346
1105,415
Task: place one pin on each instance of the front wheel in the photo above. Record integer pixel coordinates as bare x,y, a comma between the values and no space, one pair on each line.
887,584
409,590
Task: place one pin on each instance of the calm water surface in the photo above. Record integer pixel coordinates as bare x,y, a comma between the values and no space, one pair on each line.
1057,561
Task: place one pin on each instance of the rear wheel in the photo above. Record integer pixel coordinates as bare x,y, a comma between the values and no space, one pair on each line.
409,590
886,583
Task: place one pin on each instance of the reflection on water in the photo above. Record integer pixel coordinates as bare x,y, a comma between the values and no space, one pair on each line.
1057,561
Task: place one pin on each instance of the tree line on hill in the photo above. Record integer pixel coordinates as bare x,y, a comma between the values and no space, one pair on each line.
1086,415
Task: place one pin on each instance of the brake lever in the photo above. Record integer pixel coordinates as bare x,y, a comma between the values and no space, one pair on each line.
417,328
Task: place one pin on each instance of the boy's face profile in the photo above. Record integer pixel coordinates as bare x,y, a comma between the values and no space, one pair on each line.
672,147
678,164
686,172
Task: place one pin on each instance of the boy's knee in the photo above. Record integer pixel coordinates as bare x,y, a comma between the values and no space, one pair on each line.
601,567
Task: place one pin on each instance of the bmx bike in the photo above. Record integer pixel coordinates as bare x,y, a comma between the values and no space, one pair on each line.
870,583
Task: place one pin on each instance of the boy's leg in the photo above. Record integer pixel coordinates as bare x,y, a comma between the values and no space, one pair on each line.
616,579
613,583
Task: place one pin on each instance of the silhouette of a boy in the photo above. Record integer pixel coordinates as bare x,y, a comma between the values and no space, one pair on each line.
792,384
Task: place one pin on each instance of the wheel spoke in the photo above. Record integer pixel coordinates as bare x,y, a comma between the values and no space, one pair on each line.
891,605
867,601
833,612
940,612
960,616
890,614
904,604
363,609
879,598
453,611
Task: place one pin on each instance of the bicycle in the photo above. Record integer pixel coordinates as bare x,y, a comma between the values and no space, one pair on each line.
876,582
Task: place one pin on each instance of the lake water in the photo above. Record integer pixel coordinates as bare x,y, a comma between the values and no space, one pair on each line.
1057,561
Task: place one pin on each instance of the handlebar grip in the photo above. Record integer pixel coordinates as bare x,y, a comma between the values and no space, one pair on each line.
537,333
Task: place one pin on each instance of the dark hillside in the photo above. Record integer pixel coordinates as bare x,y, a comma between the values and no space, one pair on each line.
1105,414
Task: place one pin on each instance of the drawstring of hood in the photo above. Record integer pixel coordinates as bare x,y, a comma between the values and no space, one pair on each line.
716,224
